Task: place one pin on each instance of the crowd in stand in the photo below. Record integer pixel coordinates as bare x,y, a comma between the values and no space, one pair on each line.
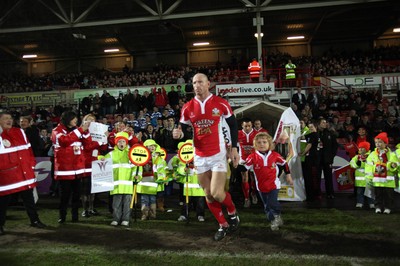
349,110
332,63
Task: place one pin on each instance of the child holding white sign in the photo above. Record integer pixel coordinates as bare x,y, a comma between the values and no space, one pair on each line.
123,170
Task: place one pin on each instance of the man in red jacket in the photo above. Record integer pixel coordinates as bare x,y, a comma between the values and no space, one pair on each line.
254,69
16,170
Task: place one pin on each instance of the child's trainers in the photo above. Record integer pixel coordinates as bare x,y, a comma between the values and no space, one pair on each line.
377,210
372,206
387,211
200,218
233,222
359,205
279,220
125,223
276,223
114,223
221,233
93,212
182,218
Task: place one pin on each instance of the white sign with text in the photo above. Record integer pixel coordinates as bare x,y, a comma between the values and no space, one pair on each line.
97,132
102,176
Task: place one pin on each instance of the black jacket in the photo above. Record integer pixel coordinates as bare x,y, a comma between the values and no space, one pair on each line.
328,146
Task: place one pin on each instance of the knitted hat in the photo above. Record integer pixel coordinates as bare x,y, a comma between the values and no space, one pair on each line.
122,135
383,136
365,145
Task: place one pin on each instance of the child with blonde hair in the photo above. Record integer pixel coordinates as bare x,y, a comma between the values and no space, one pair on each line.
265,163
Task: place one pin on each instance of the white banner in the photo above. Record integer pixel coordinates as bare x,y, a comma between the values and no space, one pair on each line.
245,89
363,81
287,137
102,176
97,132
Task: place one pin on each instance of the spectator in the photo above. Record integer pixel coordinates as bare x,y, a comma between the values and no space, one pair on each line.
87,104
393,109
392,129
46,140
128,102
136,104
166,139
173,97
313,99
147,100
160,97
120,104
32,133
327,151
299,99
379,111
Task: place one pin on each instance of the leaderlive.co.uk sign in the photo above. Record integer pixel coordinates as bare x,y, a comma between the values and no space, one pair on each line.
245,89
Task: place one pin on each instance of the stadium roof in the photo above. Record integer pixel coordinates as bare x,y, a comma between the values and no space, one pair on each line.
77,29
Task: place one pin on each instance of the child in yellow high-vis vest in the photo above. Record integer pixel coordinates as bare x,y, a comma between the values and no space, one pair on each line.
192,189
123,170
358,163
397,152
153,175
380,170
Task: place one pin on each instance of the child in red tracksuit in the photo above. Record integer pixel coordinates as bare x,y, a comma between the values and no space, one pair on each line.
265,163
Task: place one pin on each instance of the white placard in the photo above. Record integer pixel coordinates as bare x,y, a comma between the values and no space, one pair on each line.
97,131
102,176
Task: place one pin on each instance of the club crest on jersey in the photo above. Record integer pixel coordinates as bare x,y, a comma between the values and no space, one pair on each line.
215,112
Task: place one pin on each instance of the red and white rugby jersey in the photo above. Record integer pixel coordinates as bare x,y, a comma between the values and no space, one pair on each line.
245,141
206,119
265,168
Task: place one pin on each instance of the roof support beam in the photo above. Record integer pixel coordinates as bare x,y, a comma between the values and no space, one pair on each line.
172,7
62,10
86,12
71,10
155,16
3,18
266,2
146,7
247,3
54,12
159,7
